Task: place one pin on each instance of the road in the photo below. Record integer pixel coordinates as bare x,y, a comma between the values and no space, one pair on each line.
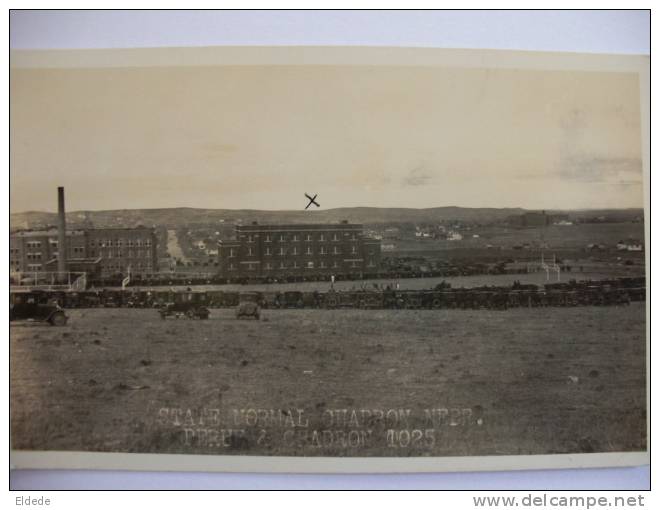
174,248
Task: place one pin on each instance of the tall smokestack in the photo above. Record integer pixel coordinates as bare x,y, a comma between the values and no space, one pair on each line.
61,233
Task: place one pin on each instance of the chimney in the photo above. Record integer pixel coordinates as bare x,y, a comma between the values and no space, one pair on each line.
61,233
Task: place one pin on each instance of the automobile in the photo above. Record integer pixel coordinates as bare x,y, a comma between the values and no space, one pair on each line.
184,310
248,305
271,299
293,299
35,306
186,304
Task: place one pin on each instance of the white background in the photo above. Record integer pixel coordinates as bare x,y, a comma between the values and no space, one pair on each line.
624,32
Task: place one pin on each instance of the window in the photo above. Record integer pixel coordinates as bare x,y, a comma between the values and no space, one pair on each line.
308,237
295,251
268,251
249,251
322,264
295,264
334,264
282,238
250,239
309,250
335,251
119,243
323,251
353,237
334,237
353,250
268,238
130,242
231,267
310,265
147,243
269,266
353,264
295,237
231,252
371,263
322,237
282,251
282,265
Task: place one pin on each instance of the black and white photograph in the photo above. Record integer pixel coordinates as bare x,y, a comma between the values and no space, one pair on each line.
328,253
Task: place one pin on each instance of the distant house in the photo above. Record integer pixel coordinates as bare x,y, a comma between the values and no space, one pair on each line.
540,219
630,245
454,236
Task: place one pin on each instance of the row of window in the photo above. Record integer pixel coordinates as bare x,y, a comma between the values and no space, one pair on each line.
123,268
294,251
118,243
251,266
295,238
120,253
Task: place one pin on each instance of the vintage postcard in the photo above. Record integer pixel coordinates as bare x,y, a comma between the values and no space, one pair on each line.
328,259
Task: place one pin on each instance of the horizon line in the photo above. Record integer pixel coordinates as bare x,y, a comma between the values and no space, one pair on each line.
317,211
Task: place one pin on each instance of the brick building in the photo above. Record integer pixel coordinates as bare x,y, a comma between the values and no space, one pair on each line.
107,251
282,251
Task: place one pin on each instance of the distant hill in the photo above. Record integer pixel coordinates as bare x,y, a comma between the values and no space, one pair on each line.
180,217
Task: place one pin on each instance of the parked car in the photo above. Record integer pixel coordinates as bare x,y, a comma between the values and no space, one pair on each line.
36,306
186,304
181,310
248,305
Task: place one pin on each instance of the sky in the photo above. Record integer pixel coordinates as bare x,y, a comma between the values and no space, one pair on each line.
259,137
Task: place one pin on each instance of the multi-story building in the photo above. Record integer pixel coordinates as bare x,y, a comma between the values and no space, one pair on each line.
281,251
110,250
124,248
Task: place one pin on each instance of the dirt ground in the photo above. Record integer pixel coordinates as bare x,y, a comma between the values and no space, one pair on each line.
334,382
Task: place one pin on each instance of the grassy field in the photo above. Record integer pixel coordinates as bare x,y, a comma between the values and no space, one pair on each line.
333,382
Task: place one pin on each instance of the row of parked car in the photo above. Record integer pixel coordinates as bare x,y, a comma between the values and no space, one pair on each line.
196,304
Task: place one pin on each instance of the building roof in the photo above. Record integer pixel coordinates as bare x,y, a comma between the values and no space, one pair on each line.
45,233
299,227
73,232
